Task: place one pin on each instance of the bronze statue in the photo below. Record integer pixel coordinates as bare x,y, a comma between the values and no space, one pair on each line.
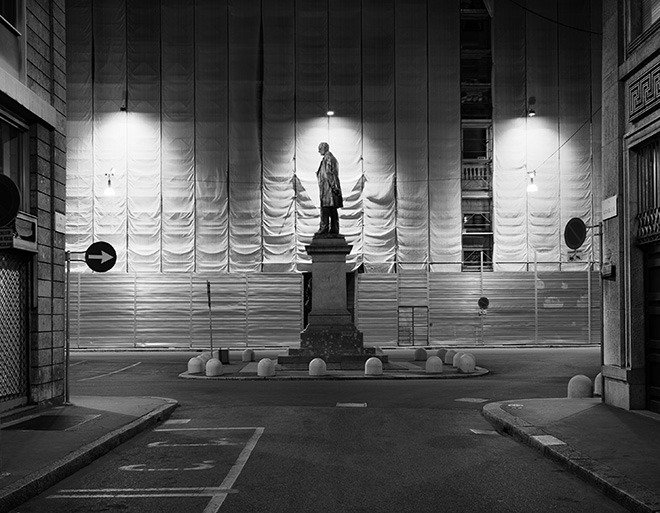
329,192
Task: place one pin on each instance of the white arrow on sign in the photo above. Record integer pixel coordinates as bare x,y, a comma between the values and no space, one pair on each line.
164,443
205,465
103,257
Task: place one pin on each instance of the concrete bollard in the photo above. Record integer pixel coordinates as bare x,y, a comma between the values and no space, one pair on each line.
247,356
214,367
579,387
373,367
466,363
317,367
434,365
420,354
265,368
598,385
441,353
196,365
205,356
449,356
456,358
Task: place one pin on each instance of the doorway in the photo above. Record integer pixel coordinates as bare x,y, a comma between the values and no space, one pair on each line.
652,306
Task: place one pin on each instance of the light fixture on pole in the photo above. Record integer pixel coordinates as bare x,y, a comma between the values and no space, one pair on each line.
109,191
531,113
531,185
330,113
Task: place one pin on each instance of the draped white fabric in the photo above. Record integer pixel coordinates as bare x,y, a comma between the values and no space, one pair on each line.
213,160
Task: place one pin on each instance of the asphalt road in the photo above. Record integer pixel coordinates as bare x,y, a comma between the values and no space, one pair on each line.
326,446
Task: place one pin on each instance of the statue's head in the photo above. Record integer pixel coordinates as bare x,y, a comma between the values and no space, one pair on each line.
324,147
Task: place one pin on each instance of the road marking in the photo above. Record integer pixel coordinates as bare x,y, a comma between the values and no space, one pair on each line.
351,405
548,440
212,443
77,363
490,432
207,429
111,373
216,502
125,493
176,421
205,465
470,400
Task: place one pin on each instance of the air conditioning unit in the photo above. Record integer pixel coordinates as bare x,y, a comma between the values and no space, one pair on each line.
21,234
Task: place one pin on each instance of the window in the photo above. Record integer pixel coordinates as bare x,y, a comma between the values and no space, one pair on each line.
13,158
9,13
643,14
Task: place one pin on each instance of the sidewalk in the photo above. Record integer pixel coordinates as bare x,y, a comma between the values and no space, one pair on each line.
616,450
39,447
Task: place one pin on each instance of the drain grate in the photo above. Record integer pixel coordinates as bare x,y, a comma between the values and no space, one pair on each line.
51,422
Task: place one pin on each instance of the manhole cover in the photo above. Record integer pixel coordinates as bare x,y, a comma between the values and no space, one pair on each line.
51,422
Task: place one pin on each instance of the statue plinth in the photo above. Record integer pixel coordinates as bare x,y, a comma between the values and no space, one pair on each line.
330,333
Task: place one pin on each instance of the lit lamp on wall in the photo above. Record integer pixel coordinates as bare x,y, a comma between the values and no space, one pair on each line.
109,191
531,185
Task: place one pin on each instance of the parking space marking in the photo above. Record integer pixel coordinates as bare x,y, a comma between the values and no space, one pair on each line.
205,465
110,373
212,443
124,493
216,502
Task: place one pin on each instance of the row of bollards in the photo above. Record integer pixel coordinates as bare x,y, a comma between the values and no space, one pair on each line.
462,361
581,386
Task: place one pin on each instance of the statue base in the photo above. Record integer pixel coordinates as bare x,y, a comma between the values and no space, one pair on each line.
330,334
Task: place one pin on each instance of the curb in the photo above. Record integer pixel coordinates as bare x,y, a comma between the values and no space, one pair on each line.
629,494
35,483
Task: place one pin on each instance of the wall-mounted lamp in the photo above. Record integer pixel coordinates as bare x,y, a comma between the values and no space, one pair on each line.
330,113
109,191
531,186
531,113
531,101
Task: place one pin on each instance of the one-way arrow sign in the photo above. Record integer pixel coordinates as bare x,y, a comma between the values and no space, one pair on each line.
100,257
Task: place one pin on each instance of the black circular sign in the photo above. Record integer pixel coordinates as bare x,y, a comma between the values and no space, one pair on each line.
10,200
483,303
575,233
100,257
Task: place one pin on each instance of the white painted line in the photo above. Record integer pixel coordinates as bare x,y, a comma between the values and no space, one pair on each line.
351,405
548,440
470,400
111,373
484,432
216,502
207,429
205,465
212,443
77,363
148,493
176,421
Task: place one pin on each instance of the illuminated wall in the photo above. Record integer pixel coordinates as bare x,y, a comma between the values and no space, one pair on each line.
213,158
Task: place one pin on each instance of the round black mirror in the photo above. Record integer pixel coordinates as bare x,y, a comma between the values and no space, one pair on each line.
10,200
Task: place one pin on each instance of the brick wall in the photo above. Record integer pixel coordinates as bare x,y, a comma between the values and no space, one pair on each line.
46,77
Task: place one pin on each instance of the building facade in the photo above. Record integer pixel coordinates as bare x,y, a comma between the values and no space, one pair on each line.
631,194
33,164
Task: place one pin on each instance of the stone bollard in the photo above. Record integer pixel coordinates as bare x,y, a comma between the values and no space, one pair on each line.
214,367
441,353
420,354
373,367
247,356
265,368
205,356
317,367
434,365
457,357
196,365
466,363
579,387
598,385
449,356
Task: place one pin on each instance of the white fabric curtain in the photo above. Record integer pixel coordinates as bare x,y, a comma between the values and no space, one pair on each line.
213,160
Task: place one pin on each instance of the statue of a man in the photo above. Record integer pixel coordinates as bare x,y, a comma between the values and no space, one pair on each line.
329,191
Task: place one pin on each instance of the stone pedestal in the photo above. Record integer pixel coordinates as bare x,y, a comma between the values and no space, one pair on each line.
330,333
